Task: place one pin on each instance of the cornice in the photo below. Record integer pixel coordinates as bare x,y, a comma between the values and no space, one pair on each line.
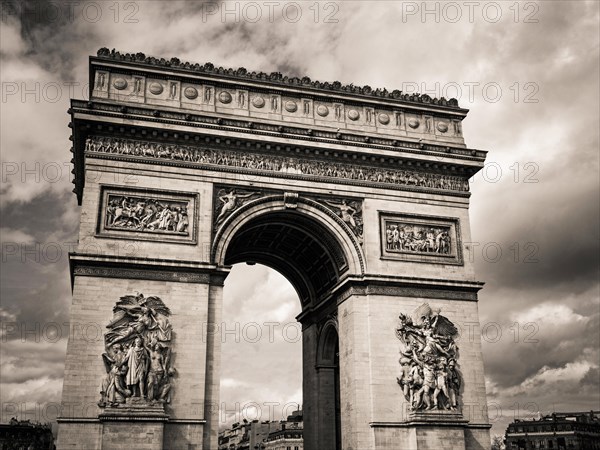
397,286
108,266
147,123
162,115
276,79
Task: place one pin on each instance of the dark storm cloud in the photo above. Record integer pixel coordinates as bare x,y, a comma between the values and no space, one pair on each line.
48,31
25,361
44,216
592,378
541,244
35,286
552,338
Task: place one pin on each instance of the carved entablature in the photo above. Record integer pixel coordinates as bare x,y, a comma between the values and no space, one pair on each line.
147,215
133,78
429,371
274,164
417,238
138,355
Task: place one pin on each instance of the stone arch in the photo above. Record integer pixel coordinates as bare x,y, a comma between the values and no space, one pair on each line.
328,344
304,240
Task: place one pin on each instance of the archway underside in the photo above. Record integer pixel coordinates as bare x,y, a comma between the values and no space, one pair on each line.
298,247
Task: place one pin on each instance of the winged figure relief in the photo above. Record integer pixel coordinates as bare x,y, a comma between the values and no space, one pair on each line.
139,316
230,201
350,212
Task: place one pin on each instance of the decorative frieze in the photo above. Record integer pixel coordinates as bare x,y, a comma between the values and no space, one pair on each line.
138,355
154,273
429,374
410,237
147,214
275,164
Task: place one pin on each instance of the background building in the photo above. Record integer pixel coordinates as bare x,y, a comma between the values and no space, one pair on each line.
557,431
235,438
285,434
23,434
289,437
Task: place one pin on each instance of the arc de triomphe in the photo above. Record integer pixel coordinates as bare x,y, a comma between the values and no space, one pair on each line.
359,197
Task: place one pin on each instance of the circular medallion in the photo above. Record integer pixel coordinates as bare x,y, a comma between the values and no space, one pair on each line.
353,114
291,106
413,123
384,119
120,84
258,102
190,92
156,88
442,127
225,97
322,110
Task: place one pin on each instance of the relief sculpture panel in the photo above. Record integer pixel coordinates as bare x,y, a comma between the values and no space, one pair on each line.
411,237
138,354
429,374
145,215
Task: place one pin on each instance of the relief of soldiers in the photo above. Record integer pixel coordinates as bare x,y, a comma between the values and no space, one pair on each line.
137,362
113,390
429,376
275,163
156,371
417,239
146,214
138,372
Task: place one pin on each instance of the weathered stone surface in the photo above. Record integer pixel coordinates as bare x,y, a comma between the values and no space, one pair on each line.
325,231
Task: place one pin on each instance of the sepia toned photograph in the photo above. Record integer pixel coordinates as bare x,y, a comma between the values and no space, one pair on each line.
300,225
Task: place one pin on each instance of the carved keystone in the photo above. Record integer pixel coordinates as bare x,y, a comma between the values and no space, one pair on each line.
290,200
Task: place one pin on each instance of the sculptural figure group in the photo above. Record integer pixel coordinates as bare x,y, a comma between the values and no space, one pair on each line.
417,239
146,214
138,353
273,163
429,375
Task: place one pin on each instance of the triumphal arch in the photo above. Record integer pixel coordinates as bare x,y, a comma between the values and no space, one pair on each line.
360,197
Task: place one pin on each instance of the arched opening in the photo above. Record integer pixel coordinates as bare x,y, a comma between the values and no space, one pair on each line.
328,373
312,253
261,355
298,247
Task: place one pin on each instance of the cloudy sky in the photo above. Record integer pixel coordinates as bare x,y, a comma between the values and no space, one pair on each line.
527,71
